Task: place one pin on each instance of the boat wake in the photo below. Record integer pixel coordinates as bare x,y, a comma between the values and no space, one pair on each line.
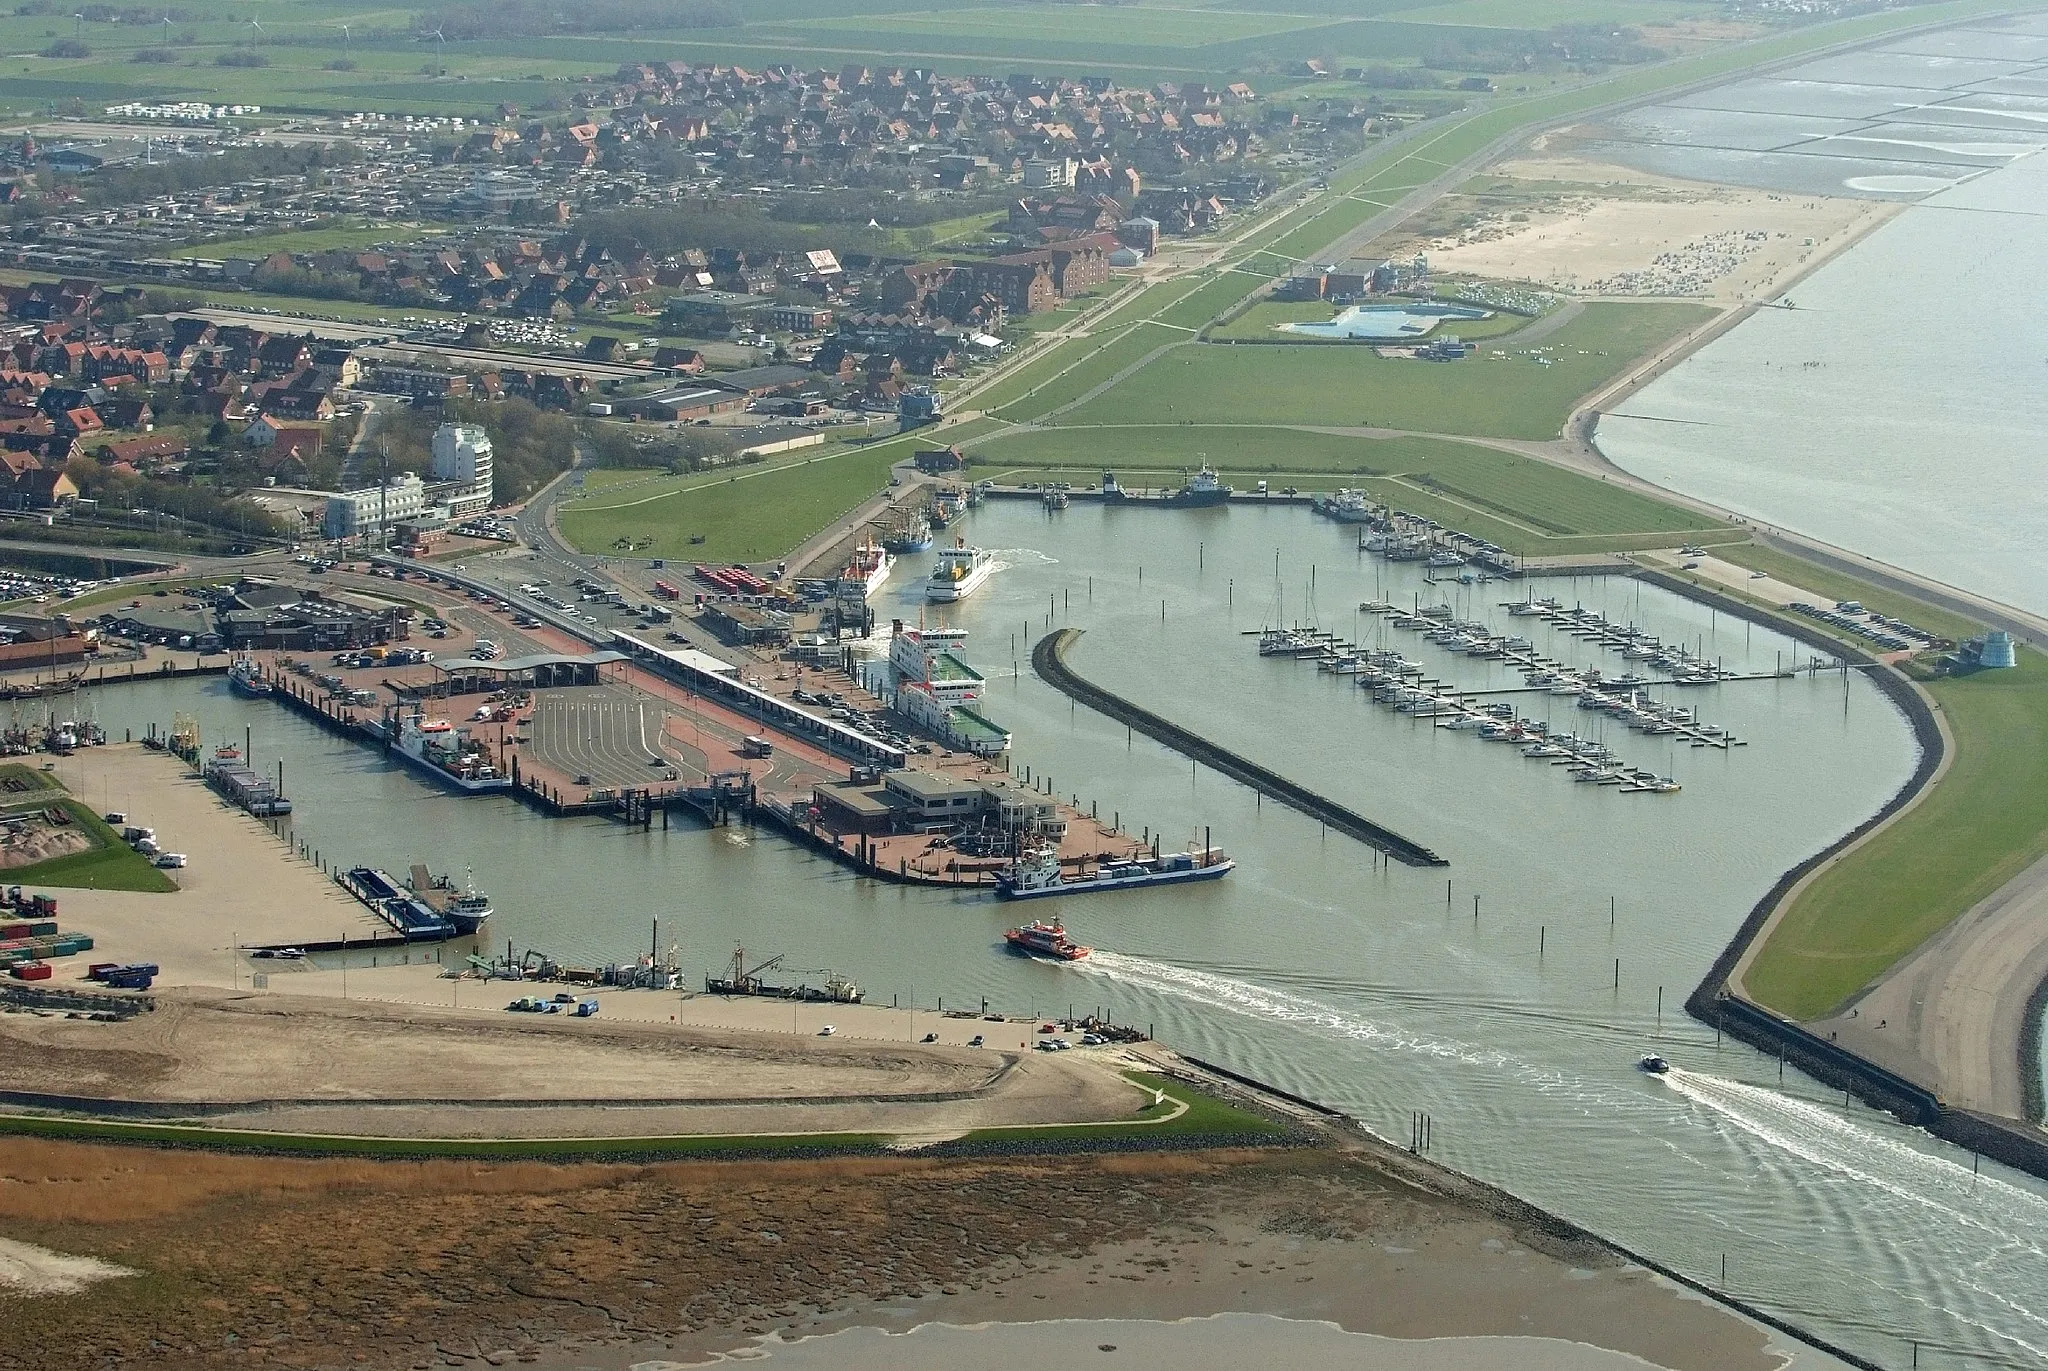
1278,1006
2003,1222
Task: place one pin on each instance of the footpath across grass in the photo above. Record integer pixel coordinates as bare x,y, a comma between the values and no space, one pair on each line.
1981,824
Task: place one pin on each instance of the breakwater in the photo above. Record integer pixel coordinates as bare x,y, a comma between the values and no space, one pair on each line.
1048,659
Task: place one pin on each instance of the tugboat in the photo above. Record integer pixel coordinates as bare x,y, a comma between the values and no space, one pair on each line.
1653,1065
1205,490
246,678
1039,939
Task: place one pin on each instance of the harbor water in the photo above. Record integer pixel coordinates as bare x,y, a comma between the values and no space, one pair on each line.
1507,997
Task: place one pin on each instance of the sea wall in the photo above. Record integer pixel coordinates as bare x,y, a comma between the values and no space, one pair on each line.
1048,658
1714,1001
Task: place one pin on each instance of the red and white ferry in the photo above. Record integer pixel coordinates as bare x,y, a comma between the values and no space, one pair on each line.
1040,939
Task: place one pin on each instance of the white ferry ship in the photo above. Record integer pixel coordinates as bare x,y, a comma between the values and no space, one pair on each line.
959,572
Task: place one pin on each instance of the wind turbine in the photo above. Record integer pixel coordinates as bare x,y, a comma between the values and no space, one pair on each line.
344,35
78,28
256,24
167,28
442,62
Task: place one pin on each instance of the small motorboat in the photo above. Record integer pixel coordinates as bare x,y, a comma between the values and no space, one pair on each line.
1653,1065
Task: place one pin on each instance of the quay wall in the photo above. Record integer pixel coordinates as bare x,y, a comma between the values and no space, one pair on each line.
1048,658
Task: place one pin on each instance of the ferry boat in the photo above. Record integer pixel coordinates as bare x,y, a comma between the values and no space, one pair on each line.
915,536
246,678
870,566
1203,491
444,752
1038,939
1037,873
959,572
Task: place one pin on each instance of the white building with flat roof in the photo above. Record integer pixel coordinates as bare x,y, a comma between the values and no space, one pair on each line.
353,513
462,456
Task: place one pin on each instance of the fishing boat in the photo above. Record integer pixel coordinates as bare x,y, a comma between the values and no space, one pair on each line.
1037,873
915,536
466,908
959,572
1038,939
1201,492
246,678
870,565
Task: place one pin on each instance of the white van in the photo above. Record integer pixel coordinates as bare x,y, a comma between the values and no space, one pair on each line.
170,859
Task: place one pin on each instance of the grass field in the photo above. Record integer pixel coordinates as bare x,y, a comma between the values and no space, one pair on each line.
1543,14
112,865
1529,507
1981,825
362,235
1211,298
749,515
1500,393
1205,1116
1126,349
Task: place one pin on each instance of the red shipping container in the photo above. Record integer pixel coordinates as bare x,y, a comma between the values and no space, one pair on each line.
15,930
32,971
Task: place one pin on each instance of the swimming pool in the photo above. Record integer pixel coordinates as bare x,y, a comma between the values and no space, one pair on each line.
1388,323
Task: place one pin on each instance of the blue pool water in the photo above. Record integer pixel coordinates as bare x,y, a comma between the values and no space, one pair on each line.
1392,323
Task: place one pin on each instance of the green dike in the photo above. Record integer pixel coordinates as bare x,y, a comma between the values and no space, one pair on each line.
1501,392
744,514
1976,828
1529,507
495,1149
1205,1117
109,865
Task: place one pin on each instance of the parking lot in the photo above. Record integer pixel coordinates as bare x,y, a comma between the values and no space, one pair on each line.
610,735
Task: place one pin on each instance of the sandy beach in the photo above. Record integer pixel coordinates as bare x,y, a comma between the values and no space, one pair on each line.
1596,228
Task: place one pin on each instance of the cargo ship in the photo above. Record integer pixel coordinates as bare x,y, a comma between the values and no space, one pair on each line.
745,980
959,572
1039,939
443,751
409,916
1037,873
246,678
